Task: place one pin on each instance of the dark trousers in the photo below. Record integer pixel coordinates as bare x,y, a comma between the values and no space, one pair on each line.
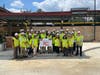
30,50
16,52
57,49
65,51
74,46
79,50
54,50
70,51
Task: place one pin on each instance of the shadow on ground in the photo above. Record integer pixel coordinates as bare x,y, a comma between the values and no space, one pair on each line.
8,55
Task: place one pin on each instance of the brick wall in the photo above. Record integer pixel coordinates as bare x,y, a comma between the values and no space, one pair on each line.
97,33
87,31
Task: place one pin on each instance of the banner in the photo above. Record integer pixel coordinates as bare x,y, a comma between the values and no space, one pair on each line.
45,43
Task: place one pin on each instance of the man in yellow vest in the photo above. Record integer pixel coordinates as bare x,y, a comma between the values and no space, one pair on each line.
23,44
70,44
74,36
34,43
57,44
43,34
65,45
61,37
79,43
16,45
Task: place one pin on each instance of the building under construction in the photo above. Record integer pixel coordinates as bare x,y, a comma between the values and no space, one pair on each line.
83,19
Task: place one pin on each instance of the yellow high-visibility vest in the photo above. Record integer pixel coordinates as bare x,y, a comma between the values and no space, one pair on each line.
53,40
79,40
23,41
57,42
70,42
33,35
43,36
34,42
61,36
49,37
16,42
65,43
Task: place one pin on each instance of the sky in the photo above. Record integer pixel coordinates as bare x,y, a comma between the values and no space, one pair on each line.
48,5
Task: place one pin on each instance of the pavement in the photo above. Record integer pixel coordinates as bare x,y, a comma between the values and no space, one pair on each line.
50,64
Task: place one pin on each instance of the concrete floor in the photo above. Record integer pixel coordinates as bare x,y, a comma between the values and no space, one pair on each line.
50,64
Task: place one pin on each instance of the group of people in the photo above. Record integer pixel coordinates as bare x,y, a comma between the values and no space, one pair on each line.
68,42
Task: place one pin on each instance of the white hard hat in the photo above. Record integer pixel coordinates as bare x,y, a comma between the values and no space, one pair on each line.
28,30
78,32
23,33
21,30
16,34
43,30
73,28
57,34
72,32
67,29
61,30
30,34
31,30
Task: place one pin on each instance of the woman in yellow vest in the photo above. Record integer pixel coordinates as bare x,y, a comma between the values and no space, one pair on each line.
16,45
65,45
79,43
57,44
34,43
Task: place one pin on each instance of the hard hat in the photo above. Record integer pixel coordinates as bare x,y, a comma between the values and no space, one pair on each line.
67,29
73,28
72,32
61,30
22,33
21,30
16,34
28,30
78,32
31,30
43,30
30,34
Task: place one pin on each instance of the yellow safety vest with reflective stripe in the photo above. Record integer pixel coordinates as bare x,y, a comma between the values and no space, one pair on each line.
61,36
23,41
79,40
33,35
49,37
75,34
57,42
53,40
16,42
34,42
43,36
70,42
27,43
65,43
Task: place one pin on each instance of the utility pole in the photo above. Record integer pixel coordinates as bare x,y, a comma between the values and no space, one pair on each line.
94,19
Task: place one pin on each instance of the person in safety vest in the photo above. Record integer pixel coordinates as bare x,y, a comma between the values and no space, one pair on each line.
65,45
16,45
34,44
23,44
70,44
28,46
79,43
74,36
43,34
57,44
